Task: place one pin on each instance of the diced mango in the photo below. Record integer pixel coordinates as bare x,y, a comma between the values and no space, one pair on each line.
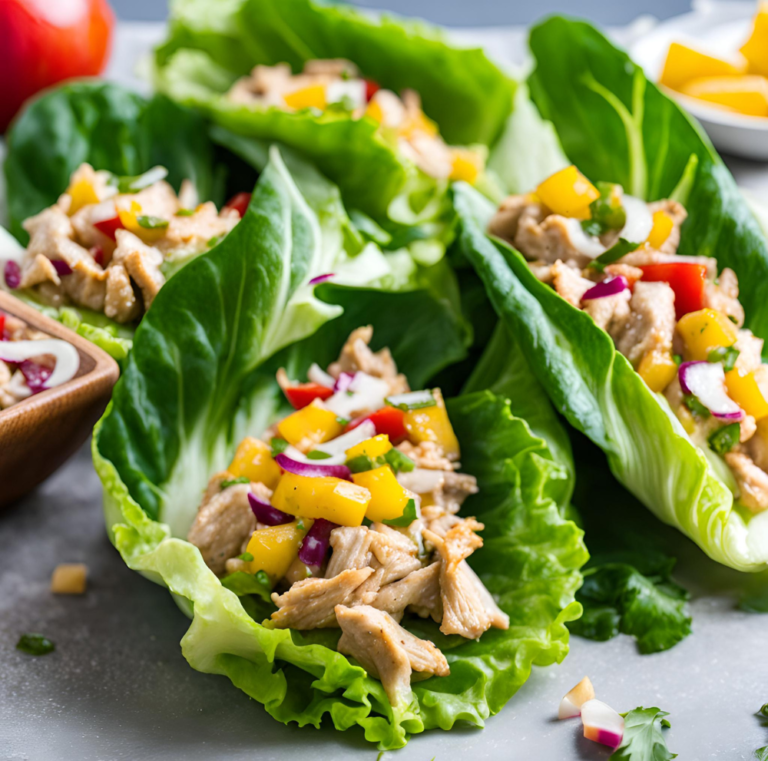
309,426
432,424
275,548
684,64
661,230
705,330
745,391
307,97
569,193
374,447
69,579
745,95
418,123
253,460
657,369
466,165
388,497
755,49
130,221
81,193
322,497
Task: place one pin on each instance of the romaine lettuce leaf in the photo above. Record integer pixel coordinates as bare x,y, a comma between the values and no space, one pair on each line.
601,395
200,376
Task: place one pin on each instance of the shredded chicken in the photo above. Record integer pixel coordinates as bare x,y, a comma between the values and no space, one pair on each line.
351,549
752,481
610,312
750,349
569,283
723,295
427,454
651,324
386,650
419,591
310,604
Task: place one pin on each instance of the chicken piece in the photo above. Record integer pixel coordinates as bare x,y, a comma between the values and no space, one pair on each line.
542,271
221,525
356,355
752,481
310,604
723,295
87,284
427,454
625,270
498,618
393,557
437,520
45,229
757,449
505,221
651,324
351,549
120,302
192,234
265,84
387,651
157,200
750,349
419,591
677,212
38,270
610,312
569,283
428,152
747,428
143,266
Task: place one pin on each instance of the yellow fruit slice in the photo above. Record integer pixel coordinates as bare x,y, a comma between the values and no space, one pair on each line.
746,95
684,64
755,49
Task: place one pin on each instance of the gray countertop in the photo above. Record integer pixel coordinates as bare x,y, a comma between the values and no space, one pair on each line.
117,686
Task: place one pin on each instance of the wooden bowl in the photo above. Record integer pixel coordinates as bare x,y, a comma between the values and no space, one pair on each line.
40,433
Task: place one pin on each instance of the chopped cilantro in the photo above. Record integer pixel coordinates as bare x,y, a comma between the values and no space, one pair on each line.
342,420
213,242
35,644
695,406
678,360
316,454
185,212
733,319
233,481
592,227
408,516
278,446
246,557
725,439
300,525
151,223
398,461
135,183
613,254
725,354
361,463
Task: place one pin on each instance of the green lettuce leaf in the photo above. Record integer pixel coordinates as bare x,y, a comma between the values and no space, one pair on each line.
633,593
601,395
644,737
466,94
617,126
201,375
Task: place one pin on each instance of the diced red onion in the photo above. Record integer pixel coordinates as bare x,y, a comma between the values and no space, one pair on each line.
265,513
322,278
315,544
35,374
344,382
61,267
97,252
313,470
608,287
67,358
317,375
12,274
706,381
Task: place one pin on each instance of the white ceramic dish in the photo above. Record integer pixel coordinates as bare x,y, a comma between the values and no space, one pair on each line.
721,28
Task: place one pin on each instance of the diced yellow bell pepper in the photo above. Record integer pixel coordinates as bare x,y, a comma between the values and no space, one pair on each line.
686,418
746,95
375,111
657,369
81,193
275,548
661,230
322,497
432,424
374,447
253,460
684,64
745,391
466,165
755,49
705,330
311,425
419,123
569,193
307,97
388,497
130,221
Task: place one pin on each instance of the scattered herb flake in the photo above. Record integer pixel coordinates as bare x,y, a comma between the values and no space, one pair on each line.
613,254
408,516
185,212
342,420
725,354
725,439
278,446
149,222
399,461
213,242
316,454
233,481
35,644
695,406
246,557
360,464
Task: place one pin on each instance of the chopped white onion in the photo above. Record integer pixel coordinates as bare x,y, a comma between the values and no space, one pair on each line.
412,400
364,393
585,244
339,445
350,89
639,222
317,375
67,358
18,386
294,454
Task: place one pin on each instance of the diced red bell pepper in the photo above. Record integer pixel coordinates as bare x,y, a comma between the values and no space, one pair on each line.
97,252
687,280
239,203
388,420
304,394
2,327
371,88
109,226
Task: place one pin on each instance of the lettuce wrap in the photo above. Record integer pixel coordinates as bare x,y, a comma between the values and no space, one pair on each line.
617,126
201,375
211,45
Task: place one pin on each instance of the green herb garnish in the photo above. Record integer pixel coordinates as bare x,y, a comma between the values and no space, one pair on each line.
246,557
613,254
408,516
35,644
342,420
151,223
316,454
725,439
399,461
592,227
677,359
361,463
185,212
695,406
278,446
213,242
725,354
233,481
300,524
135,183
607,211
